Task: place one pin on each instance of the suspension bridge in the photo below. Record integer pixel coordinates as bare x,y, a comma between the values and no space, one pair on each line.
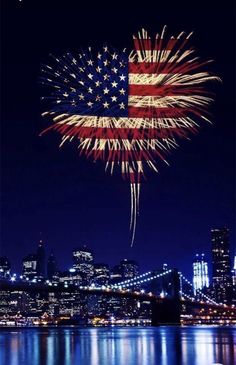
169,293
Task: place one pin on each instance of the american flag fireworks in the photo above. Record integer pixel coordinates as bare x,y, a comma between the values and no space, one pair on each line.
129,109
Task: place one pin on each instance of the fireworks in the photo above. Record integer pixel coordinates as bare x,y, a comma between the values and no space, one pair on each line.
129,109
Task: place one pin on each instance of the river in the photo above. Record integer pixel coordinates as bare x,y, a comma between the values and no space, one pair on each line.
118,346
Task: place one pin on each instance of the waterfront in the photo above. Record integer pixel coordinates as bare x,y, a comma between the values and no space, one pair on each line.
118,346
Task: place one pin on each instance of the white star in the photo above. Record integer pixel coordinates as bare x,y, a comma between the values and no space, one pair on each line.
122,77
106,90
81,69
114,84
99,56
106,62
98,69
114,70
90,62
98,83
105,49
114,56
90,90
98,98
81,97
81,82
66,94
113,98
122,106
90,104
122,91
106,77
90,76
106,105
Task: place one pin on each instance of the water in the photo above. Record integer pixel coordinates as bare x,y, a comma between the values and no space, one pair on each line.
118,346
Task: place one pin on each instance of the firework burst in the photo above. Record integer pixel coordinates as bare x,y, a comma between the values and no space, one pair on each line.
129,109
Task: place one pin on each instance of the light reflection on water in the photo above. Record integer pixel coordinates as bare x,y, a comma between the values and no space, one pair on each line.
118,346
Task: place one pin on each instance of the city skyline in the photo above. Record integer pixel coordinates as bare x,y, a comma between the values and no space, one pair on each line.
200,270
71,200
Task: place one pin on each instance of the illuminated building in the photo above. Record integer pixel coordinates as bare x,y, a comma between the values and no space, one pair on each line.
52,269
234,282
29,271
83,264
234,272
200,273
5,268
221,273
115,275
129,269
70,277
101,274
41,267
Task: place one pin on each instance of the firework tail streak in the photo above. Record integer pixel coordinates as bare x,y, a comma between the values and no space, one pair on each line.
129,109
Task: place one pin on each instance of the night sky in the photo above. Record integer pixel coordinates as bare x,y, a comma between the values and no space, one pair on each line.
71,200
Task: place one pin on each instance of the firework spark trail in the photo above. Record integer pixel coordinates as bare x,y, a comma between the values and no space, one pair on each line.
129,109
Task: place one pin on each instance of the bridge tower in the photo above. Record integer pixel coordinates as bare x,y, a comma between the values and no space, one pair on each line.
167,310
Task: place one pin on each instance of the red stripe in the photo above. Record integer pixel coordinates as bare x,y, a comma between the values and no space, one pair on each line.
163,67
152,112
146,44
163,90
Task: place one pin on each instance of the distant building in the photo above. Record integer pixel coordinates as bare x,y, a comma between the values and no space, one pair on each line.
129,269
116,275
41,261
221,273
29,270
234,282
200,273
52,268
101,274
83,264
234,272
5,267
70,277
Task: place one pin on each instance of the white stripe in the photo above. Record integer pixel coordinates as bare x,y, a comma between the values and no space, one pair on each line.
168,101
127,145
169,79
159,56
124,122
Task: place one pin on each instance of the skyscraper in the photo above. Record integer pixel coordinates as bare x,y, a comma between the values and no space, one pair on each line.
129,269
234,281
29,271
200,273
101,274
41,264
83,263
52,269
221,275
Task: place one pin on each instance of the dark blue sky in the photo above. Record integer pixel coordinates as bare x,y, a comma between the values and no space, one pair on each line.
71,200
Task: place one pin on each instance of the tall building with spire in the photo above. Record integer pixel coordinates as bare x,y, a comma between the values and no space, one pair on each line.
41,263
200,273
221,267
